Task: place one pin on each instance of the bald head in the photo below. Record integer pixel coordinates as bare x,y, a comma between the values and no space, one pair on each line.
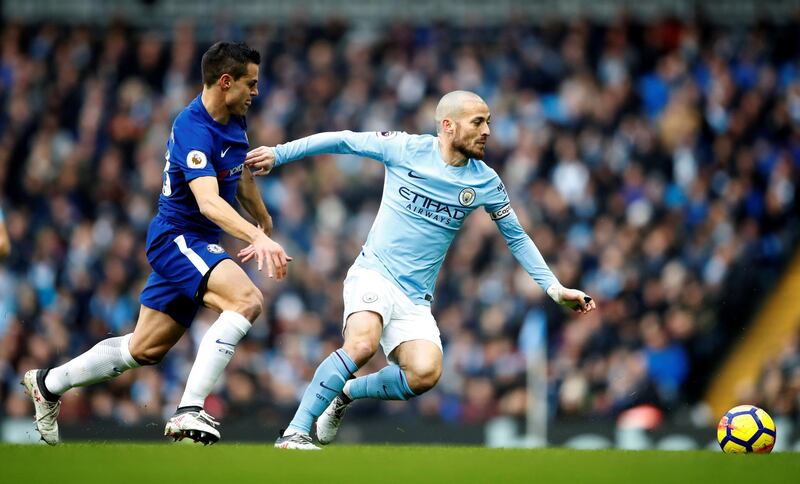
462,126
453,104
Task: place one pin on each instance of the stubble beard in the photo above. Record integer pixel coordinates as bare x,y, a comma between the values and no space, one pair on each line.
468,152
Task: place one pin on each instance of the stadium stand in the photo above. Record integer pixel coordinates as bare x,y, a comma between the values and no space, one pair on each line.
654,164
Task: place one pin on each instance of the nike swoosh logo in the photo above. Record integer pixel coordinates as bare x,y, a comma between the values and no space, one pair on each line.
414,175
219,341
225,152
323,385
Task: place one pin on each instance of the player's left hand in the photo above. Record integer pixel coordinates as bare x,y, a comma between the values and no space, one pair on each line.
249,253
574,299
267,252
262,159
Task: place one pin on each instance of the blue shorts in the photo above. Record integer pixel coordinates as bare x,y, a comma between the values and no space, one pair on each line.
181,262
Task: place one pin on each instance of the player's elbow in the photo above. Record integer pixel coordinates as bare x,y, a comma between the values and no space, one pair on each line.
515,245
206,206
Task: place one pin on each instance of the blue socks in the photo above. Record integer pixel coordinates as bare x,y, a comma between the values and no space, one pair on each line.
328,381
388,384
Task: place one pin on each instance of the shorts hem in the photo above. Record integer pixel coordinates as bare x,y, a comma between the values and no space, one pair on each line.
185,322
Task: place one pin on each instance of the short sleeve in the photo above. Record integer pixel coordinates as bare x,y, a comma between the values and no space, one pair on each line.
190,149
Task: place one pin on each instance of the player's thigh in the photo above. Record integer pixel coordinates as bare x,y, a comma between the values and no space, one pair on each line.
155,333
230,289
421,360
363,324
367,306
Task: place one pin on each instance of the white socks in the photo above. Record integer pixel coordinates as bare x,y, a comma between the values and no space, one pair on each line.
104,361
111,357
213,355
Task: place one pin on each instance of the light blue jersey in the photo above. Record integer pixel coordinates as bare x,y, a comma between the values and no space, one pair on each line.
425,202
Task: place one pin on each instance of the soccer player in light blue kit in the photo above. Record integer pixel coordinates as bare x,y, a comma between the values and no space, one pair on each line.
204,176
432,184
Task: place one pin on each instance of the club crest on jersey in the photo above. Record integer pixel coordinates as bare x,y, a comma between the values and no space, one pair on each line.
466,197
369,297
196,159
215,249
387,134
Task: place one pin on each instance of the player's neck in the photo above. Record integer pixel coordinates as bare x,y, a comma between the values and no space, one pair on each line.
215,106
451,156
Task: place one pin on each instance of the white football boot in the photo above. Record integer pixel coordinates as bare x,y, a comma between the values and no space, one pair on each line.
193,424
296,441
328,423
46,411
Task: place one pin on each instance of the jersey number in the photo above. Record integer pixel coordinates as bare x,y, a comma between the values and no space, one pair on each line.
166,188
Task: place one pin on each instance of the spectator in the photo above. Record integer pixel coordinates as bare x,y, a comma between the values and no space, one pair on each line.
650,165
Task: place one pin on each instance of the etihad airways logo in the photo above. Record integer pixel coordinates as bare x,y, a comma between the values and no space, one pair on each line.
430,208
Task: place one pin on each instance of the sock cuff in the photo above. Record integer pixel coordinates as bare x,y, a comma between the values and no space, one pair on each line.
349,365
125,352
41,375
235,320
403,380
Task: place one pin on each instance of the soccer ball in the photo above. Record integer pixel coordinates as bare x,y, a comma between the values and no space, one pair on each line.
746,429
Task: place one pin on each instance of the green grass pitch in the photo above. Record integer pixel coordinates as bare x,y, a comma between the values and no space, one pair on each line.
239,463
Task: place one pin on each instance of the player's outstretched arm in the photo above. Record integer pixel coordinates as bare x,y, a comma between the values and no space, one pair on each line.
250,199
378,146
215,208
528,255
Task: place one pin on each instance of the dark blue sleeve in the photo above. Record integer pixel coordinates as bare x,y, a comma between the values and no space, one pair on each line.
191,148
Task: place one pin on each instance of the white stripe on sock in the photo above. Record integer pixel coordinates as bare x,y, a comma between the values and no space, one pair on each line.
195,259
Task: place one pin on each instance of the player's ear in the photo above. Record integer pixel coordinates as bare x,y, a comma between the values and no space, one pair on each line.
447,124
225,81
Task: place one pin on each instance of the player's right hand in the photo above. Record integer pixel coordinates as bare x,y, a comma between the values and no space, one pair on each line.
267,252
262,159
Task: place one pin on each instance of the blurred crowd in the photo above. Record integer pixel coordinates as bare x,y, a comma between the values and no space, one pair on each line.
654,165
778,387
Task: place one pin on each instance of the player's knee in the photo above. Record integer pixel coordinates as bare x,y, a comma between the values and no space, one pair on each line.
250,303
148,355
360,350
422,377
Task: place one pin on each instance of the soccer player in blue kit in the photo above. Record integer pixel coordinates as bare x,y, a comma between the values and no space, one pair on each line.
204,176
432,184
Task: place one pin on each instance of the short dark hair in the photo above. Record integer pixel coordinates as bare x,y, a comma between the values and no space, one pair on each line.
227,58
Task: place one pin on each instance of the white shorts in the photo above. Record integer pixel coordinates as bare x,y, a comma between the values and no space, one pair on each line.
368,290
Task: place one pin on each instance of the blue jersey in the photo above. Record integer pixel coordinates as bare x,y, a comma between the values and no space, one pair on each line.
199,146
425,202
